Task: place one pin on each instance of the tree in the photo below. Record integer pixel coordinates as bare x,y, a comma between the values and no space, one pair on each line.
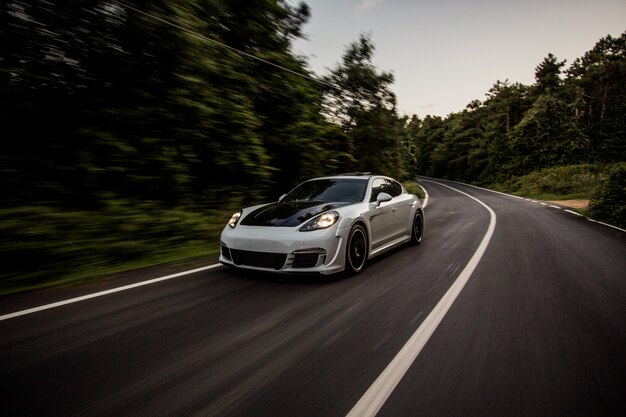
548,135
548,75
505,107
109,100
356,85
360,100
599,82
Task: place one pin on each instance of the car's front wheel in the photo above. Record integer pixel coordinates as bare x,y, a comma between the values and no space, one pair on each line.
356,251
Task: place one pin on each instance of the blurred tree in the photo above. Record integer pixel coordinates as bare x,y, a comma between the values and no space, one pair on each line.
361,102
105,98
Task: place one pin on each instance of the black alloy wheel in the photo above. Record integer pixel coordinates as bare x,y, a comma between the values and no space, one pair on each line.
417,232
356,250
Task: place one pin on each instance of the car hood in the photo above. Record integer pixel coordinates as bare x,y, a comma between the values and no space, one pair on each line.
287,214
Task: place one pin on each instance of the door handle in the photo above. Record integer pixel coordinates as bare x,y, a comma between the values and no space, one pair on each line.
394,208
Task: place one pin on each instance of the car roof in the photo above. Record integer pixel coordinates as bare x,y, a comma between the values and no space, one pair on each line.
350,175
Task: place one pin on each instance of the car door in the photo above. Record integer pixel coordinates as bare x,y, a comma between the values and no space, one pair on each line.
402,204
382,217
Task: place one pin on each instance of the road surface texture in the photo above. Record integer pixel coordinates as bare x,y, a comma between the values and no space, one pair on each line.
539,329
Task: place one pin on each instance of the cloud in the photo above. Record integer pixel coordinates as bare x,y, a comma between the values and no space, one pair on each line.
367,4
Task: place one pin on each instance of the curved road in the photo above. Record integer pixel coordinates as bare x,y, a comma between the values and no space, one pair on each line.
538,329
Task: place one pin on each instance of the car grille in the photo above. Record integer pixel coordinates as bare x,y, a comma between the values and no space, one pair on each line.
225,251
305,260
258,259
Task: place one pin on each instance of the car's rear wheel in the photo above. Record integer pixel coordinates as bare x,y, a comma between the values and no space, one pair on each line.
417,232
356,251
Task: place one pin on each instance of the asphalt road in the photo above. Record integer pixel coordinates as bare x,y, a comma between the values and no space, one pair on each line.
539,329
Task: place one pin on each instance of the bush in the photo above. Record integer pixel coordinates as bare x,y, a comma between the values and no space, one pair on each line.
566,181
609,202
42,245
413,188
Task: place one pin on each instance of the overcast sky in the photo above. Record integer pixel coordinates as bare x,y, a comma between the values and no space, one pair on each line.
447,53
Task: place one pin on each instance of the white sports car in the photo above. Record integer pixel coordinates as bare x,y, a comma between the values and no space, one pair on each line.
324,225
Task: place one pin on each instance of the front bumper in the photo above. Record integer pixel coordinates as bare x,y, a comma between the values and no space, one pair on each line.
284,249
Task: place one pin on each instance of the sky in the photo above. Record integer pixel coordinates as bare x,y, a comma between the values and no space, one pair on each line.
445,54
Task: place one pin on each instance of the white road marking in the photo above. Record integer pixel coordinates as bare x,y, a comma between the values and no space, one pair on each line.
543,204
574,212
107,292
555,207
374,398
606,224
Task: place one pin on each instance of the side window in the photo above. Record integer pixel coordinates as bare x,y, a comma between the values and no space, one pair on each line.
378,186
395,189
382,185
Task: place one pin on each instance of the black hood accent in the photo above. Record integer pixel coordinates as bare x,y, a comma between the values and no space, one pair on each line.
287,214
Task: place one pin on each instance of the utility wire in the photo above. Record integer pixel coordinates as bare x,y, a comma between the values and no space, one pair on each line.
243,53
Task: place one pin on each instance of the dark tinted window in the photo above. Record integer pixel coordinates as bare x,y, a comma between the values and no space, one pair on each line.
382,185
396,189
329,191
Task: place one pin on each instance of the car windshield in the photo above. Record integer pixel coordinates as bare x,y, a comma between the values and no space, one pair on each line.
329,191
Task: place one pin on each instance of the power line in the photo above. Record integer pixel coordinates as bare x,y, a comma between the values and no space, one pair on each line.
246,54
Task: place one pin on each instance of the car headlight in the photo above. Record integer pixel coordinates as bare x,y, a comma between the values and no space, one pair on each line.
322,221
234,219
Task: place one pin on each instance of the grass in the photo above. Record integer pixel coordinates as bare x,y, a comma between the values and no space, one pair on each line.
557,183
413,188
573,182
43,246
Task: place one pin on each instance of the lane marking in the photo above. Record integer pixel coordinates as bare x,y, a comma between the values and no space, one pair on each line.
101,293
606,224
574,212
554,207
374,398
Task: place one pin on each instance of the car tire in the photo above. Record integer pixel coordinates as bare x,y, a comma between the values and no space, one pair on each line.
417,229
356,249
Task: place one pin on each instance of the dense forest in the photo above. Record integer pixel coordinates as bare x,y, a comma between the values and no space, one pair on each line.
126,121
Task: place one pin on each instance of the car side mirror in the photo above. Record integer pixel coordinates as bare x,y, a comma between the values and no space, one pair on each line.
381,198
281,197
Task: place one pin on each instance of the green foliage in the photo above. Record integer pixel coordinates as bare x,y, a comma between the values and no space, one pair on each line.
357,87
414,188
361,102
548,74
609,202
41,244
547,135
562,182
